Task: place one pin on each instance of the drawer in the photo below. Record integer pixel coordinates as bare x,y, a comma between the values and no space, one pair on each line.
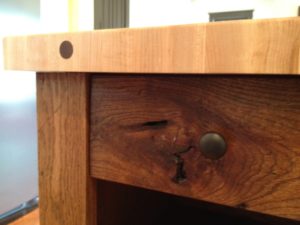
148,132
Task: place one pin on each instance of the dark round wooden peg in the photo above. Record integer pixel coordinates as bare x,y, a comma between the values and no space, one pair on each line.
66,49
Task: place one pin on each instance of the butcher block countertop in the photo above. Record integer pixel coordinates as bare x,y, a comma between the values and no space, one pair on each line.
269,46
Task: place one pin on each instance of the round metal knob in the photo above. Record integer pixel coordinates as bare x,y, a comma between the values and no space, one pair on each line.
212,146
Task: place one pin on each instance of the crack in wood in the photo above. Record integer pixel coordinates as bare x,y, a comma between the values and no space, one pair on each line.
180,175
159,123
149,125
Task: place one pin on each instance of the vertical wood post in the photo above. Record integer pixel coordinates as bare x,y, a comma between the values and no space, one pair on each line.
67,193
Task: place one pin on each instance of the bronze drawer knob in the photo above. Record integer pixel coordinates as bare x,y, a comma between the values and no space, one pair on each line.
213,145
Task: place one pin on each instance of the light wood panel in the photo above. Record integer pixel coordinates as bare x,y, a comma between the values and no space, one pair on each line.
252,47
139,123
67,193
30,219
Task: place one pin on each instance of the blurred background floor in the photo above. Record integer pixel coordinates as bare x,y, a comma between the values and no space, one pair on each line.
29,219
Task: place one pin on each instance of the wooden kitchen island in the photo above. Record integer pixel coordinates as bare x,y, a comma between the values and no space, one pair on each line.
189,124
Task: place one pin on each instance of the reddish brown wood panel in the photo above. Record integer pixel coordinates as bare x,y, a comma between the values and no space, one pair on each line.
138,123
67,193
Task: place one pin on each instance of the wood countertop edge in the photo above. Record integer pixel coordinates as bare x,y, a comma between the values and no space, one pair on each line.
250,47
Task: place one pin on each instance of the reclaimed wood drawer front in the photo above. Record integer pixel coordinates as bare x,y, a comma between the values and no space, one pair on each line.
138,124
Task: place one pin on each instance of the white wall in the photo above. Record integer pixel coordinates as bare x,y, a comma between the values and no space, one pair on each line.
85,15
168,12
56,16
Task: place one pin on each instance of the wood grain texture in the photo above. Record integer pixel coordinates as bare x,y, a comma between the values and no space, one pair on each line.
252,46
67,193
30,219
138,123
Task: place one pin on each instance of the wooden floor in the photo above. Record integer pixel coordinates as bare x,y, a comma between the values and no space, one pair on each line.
29,219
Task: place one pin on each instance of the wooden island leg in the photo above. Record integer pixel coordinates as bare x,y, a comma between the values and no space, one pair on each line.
67,193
